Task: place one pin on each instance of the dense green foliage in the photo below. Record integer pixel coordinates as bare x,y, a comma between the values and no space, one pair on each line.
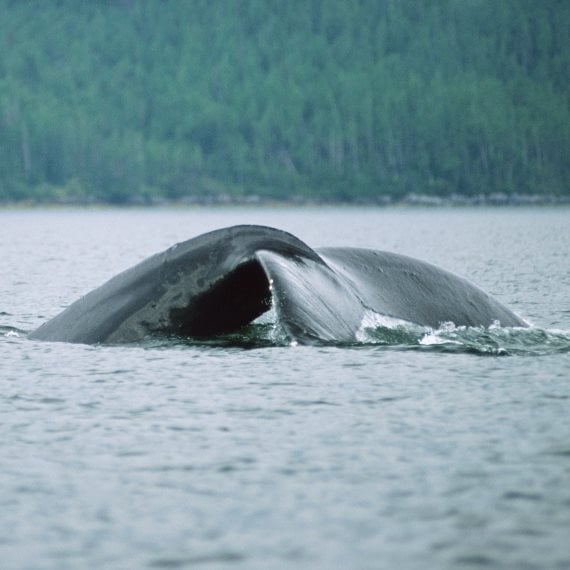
333,99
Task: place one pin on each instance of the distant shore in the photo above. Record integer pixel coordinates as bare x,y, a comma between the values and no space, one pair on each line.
417,200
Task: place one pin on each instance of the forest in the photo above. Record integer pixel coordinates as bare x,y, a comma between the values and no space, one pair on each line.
141,101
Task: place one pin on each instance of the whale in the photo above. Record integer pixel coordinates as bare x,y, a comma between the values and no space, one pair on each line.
222,280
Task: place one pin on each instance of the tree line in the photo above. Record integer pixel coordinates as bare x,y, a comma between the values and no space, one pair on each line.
122,100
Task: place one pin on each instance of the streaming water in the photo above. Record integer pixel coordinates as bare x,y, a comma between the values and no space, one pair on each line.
410,448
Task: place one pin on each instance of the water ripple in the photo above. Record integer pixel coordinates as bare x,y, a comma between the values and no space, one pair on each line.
183,562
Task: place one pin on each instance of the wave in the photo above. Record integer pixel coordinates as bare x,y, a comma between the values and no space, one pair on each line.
379,331
11,332
492,341
376,331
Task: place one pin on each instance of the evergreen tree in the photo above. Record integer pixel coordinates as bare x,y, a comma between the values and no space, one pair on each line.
121,100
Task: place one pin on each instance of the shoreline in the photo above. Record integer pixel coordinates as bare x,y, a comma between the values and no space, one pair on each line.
226,200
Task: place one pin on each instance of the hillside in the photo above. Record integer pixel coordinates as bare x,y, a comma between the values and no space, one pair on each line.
130,100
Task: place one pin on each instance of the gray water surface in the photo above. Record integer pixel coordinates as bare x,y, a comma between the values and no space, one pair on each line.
412,449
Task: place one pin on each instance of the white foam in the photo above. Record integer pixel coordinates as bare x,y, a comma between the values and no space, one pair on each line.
436,336
372,321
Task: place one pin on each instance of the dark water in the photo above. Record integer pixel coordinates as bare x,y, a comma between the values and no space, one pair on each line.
410,449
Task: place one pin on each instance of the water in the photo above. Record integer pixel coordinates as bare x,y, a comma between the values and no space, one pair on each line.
410,449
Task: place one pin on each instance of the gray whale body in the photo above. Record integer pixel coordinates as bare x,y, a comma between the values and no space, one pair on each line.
222,280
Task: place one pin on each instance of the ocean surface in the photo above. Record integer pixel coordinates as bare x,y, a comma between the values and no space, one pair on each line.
410,449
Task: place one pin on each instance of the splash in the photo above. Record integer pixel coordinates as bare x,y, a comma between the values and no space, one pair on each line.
494,340
499,341
384,330
11,332
394,334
